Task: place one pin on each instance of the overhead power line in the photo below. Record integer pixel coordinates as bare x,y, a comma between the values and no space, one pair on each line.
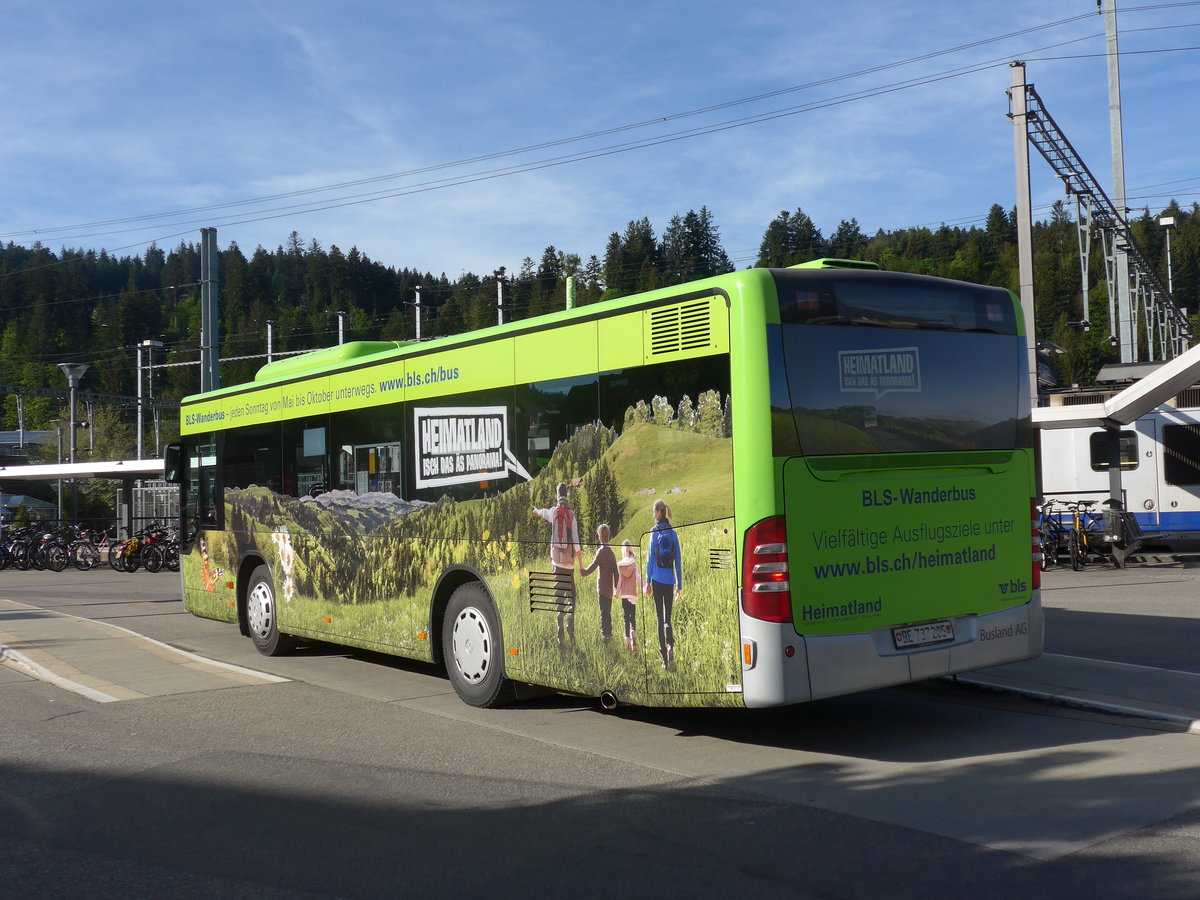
41,233
248,216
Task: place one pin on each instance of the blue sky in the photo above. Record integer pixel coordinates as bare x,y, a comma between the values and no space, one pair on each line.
159,118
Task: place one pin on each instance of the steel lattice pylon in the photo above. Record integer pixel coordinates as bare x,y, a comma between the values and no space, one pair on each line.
1150,309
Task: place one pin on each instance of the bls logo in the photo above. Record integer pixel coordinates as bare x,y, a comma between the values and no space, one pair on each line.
1014,587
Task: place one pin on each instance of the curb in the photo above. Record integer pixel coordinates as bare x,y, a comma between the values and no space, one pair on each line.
1178,722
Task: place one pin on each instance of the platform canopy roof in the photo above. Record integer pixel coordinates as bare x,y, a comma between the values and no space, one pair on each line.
1129,405
121,468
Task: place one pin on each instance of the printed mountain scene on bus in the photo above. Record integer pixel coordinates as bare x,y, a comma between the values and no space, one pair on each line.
374,557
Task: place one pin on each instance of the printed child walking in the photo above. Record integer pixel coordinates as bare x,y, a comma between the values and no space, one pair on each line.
629,583
605,562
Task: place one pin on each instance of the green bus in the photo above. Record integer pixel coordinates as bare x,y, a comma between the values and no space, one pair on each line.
757,489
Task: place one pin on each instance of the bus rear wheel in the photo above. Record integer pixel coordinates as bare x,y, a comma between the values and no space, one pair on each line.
262,615
472,649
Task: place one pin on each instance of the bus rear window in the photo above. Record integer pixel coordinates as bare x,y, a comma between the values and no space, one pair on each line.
885,363
893,300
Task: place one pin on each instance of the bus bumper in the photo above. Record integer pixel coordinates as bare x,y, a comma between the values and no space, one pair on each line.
781,667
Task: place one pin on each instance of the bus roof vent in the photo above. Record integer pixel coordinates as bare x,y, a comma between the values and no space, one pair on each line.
828,263
294,366
675,329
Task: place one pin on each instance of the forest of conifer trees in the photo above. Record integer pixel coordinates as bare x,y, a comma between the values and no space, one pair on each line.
93,307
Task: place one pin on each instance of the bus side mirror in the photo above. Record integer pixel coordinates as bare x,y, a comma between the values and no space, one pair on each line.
174,464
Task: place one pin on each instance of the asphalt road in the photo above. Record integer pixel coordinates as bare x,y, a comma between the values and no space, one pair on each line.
1147,614
363,776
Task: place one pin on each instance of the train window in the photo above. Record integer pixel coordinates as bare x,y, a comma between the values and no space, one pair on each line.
1181,454
1099,450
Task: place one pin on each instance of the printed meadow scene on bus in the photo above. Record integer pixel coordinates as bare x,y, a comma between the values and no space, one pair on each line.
623,591
601,565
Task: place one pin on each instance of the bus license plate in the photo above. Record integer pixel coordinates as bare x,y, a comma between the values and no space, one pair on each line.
923,635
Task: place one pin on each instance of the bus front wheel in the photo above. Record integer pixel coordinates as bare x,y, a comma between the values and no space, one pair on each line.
471,647
262,615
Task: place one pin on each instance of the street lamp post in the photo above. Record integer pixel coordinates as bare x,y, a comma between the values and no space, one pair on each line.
1168,223
418,308
58,424
73,371
149,347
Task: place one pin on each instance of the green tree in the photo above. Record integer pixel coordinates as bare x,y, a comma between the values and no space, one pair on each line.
661,411
685,415
848,242
790,238
710,417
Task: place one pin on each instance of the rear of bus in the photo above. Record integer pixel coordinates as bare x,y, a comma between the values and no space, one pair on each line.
897,545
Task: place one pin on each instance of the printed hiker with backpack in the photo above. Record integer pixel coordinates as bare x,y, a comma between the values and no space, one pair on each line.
565,554
664,578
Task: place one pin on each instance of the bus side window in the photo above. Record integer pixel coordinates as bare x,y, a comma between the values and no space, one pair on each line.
550,412
305,470
202,490
250,456
367,450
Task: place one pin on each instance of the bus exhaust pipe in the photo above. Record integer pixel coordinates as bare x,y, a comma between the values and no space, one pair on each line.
608,700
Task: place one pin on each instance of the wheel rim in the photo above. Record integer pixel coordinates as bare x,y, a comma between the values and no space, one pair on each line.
471,645
260,610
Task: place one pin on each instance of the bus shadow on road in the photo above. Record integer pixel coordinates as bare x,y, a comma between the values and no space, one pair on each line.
922,723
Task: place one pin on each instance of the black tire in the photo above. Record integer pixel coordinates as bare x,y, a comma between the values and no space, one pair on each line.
56,557
1076,551
115,555
261,615
152,558
85,556
473,648
172,557
1049,552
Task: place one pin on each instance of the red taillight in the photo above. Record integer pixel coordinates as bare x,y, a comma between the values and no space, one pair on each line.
766,591
1037,544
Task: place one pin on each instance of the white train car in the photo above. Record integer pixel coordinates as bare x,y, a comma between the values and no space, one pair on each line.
1160,474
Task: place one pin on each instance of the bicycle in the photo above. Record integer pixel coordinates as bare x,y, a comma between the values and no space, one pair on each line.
156,548
139,550
86,553
18,548
50,551
1052,533
1085,526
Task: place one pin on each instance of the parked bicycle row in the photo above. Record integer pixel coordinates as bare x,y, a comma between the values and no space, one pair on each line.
1072,531
154,548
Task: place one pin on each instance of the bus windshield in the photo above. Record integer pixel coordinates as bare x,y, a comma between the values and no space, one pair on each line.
895,363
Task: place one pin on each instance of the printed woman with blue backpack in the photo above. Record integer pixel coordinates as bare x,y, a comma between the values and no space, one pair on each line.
664,578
